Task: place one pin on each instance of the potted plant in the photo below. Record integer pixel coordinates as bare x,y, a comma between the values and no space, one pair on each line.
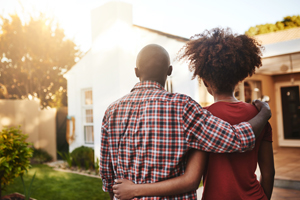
14,155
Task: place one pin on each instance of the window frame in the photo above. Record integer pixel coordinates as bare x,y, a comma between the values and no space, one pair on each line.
86,124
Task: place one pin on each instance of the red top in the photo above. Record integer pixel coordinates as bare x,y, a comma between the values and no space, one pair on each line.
146,136
232,175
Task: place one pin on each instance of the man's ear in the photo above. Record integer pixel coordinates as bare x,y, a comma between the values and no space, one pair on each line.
137,72
170,70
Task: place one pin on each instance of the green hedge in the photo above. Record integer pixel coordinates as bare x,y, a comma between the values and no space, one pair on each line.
83,157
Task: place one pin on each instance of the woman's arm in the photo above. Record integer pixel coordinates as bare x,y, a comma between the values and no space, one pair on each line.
189,181
266,165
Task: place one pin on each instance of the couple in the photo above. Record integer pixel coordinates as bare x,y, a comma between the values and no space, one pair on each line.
159,140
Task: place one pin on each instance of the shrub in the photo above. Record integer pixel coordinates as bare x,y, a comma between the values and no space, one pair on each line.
40,156
67,157
83,156
14,155
97,166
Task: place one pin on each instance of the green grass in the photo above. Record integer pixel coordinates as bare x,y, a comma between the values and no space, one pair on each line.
53,185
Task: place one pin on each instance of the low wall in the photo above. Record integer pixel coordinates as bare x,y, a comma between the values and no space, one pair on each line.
40,125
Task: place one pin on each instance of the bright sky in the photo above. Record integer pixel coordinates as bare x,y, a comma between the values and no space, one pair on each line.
178,17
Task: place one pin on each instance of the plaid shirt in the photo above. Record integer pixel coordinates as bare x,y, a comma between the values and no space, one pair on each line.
147,134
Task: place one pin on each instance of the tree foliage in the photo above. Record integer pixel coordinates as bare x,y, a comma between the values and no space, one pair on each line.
33,57
287,23
14,155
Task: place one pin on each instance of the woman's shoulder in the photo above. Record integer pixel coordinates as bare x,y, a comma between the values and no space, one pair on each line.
233,111
232,105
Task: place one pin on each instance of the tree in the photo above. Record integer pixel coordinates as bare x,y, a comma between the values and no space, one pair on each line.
33,58
14,155
287,23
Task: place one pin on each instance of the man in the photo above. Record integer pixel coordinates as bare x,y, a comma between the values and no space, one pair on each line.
146,134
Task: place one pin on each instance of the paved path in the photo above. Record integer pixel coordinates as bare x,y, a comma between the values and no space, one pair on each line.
287,163
285,194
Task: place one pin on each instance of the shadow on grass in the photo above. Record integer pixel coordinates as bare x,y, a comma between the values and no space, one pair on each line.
50,185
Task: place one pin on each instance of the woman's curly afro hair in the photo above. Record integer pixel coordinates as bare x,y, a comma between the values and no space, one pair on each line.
222,58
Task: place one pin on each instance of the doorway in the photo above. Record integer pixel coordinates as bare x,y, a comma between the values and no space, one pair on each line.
287,96
290,112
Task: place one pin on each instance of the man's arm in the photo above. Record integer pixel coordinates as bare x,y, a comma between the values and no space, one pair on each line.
106,169
260,120
209,133
125,189
111,195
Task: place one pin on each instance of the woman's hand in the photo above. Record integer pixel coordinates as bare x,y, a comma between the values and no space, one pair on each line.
124,189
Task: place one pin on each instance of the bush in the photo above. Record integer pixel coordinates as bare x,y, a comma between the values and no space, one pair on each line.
14,155
67,157
83,156
40,156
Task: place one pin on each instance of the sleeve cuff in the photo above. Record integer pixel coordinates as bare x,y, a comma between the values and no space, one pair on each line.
247,136
106,186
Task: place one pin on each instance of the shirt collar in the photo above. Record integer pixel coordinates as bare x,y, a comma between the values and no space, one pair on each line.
148,85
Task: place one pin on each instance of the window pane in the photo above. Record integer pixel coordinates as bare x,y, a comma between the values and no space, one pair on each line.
89,134
88,97
89,116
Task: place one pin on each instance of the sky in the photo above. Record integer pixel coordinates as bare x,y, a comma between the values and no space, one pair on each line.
178,17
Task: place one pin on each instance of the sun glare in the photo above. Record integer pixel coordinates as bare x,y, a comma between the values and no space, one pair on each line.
74,18
120,34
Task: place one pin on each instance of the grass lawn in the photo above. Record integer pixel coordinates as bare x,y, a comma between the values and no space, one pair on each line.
53,185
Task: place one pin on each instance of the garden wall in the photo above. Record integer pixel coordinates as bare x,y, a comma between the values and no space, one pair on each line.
39,124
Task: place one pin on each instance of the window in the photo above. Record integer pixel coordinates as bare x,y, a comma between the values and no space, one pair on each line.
169,85
88,120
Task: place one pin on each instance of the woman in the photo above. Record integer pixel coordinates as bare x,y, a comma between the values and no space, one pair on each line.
221,59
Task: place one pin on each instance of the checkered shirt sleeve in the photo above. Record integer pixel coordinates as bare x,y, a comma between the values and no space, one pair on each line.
106,168
211,134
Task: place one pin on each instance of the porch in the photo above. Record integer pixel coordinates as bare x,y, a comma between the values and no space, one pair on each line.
287,177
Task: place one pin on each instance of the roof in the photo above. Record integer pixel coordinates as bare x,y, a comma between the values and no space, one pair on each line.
282,52
178,38
279,36
282,48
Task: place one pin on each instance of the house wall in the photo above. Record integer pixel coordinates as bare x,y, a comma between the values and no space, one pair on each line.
286,77
268,90
38,124
108,68
79,79
47,131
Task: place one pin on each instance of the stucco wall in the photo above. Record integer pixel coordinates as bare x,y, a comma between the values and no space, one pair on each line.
268,89
286,77
38,124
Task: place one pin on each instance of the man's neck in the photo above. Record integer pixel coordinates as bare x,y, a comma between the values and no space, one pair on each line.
161,82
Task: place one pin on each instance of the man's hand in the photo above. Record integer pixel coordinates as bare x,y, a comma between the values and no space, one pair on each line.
264,107
124,189
261,119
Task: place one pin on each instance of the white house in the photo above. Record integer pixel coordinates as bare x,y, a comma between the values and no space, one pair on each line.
106,72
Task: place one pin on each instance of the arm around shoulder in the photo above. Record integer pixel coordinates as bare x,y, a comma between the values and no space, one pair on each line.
260,120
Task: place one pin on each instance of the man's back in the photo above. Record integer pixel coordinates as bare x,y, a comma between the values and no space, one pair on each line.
147,133
145,136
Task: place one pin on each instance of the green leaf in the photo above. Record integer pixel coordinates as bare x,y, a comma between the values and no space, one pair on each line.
2,160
